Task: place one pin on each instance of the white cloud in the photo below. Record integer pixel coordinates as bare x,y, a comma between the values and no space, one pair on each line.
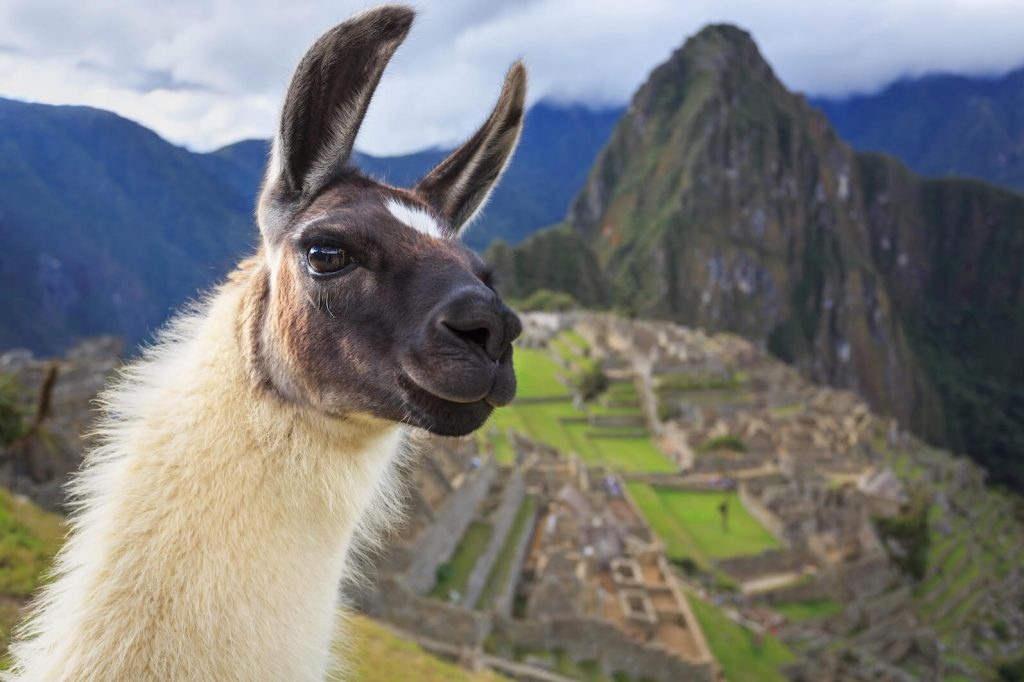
208,72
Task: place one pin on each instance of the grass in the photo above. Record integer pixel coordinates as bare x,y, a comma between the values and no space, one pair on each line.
546,421
537,375
737,650
29,537
542,422
679,544
455,574
503,452
575,339
691,526
798,611
631,454
379,655
503,565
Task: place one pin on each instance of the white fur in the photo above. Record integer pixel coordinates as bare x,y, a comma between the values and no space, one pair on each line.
415,217
212,526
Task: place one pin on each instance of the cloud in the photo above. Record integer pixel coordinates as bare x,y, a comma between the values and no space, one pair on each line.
208,72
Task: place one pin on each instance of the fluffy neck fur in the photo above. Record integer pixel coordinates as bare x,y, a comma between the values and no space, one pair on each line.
213,523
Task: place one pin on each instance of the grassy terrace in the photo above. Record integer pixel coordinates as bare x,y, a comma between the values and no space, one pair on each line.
455,574
554,419
538,375
503,565
691,526
799,611
742,657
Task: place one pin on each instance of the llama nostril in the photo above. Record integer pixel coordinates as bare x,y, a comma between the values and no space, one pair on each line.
478,336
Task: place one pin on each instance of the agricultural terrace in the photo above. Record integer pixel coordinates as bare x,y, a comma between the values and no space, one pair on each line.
690,523
608,431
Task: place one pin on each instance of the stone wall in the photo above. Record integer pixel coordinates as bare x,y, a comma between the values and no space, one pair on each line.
501,521
589,639
504,599
766,563
765,516
394,602
438,541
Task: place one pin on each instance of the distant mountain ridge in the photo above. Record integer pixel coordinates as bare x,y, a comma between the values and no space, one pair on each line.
107,228
941,125
724,201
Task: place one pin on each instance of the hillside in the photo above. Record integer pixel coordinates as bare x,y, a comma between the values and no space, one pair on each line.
723,201
941,125
107,228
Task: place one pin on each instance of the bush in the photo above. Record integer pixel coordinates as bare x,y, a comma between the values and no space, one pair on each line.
726,442
906,536
12,420
548,301
443,574
590,382
1012,671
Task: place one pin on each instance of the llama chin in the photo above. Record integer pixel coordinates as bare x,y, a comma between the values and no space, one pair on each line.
254,445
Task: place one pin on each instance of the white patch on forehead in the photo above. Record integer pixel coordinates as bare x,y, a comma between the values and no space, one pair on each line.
415,217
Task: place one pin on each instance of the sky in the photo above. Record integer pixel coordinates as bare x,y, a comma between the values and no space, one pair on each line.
205,73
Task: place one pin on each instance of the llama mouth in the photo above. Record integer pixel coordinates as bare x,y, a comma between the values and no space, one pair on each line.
427,410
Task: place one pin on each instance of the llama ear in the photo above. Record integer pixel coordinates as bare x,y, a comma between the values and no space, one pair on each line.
460,185
328,97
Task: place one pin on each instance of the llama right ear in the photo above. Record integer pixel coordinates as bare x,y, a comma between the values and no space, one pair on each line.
460,185
327,100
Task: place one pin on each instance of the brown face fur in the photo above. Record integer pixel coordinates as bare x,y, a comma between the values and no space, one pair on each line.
410,330
376,339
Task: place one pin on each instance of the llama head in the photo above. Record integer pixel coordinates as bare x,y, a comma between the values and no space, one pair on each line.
373,307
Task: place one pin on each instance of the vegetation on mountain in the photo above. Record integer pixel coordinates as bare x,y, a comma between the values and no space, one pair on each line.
941,124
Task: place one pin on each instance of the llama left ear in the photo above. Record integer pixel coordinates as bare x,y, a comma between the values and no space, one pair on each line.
328,97
460,185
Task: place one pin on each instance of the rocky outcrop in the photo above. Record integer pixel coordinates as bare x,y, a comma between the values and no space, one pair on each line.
57,398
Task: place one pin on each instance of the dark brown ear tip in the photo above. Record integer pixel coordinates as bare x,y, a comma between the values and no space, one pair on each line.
516,78
391,21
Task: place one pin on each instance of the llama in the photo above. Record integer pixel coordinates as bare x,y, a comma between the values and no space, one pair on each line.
247,451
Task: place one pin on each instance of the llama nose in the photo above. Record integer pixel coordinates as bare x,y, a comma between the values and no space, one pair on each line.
480,319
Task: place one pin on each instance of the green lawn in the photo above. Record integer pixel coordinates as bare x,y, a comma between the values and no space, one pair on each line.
542,423
500,571
691,526
537,374
631,454
455,574
736,649
798,611
678,543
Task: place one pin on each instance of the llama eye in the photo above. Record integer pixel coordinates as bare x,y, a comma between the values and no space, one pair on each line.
327,260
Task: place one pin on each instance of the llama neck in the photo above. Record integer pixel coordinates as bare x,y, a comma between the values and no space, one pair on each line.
214,525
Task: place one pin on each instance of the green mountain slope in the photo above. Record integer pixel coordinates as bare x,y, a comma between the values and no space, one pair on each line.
724,201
